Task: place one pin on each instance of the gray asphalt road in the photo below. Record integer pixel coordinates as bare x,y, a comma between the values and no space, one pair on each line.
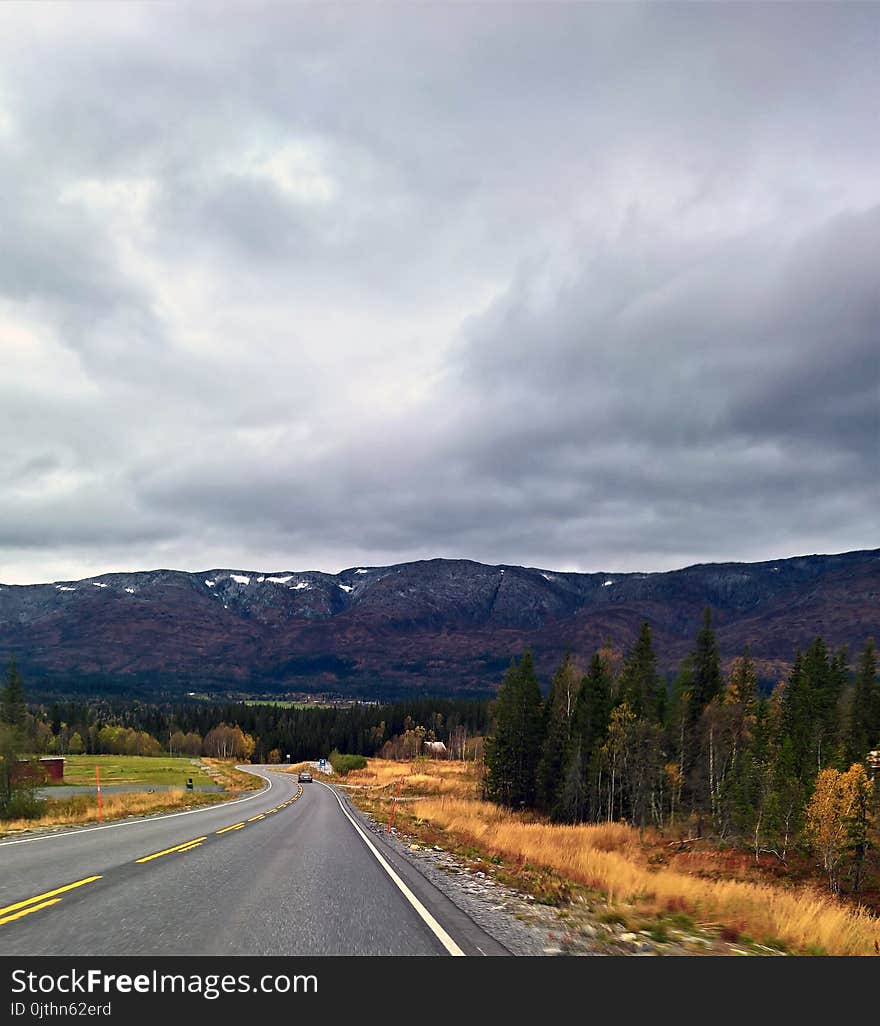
294,881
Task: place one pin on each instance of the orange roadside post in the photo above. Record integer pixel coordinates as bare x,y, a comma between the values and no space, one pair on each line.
98,782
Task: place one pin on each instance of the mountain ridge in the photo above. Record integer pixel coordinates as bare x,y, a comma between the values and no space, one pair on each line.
445,625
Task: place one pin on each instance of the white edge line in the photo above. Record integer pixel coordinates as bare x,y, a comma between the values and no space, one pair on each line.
429,920
145,819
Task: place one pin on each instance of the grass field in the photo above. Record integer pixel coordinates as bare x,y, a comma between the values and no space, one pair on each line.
56,813
66,812
609,863
133,769
224,773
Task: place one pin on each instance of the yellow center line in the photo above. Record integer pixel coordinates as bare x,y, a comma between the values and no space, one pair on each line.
47,894
235,826
27,911
168,851
254,819
189,847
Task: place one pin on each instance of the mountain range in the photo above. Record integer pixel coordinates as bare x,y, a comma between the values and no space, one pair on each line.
443,626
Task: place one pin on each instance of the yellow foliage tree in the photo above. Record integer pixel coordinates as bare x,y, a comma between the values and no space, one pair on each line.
837,821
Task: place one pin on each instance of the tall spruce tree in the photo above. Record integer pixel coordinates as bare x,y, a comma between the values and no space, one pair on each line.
681,735
640,685
863,732
512,753
706,664
797,721
592,710
558,711
579,799
13,709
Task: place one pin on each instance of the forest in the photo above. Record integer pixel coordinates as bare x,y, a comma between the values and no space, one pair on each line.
711,753
261,733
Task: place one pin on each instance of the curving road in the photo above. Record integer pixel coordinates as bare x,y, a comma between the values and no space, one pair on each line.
289,870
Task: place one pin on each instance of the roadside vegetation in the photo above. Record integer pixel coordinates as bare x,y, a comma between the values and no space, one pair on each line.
22,776
30,813
82,811
723,793
228,776
628,876
345,764
134,769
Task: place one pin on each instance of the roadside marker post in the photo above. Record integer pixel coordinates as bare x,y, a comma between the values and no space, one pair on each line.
394,806
98,783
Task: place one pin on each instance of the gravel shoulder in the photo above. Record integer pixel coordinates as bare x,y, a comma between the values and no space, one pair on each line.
525,926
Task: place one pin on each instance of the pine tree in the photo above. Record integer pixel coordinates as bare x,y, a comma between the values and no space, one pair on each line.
13,709
512,753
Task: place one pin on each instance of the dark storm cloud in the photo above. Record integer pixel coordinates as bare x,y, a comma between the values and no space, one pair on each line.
580,286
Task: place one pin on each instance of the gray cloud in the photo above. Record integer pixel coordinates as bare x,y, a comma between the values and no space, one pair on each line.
584,286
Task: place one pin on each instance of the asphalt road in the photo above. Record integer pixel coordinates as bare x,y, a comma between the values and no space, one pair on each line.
286,871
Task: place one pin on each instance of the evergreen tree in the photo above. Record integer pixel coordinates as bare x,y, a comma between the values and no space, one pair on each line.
13,709
738,717
589,729
797,719
640,685
558,711
863,732
706,664
592,710
826,674
574,799
681,735
512,753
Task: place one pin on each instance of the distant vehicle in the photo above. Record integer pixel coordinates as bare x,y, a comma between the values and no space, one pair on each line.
305,778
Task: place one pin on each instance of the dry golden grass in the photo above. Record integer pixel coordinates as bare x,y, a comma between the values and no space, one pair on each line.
605,857
419,777
224,773
82,811
296,767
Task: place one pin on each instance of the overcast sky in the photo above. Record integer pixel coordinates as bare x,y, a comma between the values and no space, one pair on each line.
579,287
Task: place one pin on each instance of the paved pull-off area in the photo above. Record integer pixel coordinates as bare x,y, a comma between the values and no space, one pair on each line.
286,871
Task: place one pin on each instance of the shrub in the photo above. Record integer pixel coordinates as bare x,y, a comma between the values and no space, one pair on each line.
344,764
23,804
